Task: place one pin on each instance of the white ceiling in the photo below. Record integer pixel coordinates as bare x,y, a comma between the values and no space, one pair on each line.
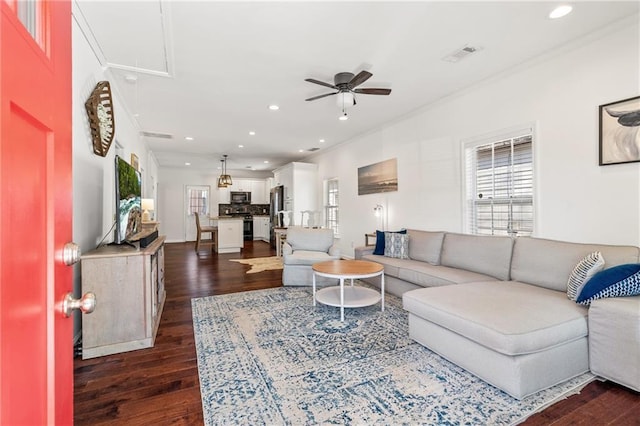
210,70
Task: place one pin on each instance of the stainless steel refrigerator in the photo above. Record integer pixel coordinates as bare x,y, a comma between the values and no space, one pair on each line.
276,204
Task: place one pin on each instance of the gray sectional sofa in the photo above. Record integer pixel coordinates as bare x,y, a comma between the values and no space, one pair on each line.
497,306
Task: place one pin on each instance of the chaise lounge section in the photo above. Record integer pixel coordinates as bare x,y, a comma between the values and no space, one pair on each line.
498,306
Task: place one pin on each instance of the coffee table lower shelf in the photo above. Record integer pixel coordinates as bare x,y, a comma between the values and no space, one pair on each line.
354,296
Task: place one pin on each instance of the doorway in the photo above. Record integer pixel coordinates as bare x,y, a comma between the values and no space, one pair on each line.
197,201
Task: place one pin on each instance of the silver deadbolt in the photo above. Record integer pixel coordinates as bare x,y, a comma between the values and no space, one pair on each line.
71,253
86,304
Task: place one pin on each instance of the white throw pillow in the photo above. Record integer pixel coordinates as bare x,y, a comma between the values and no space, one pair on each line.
396,245
585,269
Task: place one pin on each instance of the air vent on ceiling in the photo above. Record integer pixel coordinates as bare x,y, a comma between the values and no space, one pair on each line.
157,135
460,53
313,149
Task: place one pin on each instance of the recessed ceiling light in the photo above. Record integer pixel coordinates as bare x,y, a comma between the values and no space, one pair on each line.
274,107
188,138
301,150
321,140
252,133
560,11
266,161
240,146
187,164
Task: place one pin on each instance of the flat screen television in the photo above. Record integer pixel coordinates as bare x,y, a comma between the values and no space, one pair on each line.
128,202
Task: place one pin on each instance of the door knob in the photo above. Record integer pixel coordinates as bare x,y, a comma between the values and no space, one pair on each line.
86,304
71,253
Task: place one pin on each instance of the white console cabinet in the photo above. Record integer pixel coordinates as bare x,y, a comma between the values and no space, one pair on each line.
129,288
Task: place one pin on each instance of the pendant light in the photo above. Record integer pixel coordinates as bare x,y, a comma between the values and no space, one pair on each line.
221,183
224,180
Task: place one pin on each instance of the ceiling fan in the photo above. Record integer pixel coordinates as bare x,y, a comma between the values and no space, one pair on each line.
346,82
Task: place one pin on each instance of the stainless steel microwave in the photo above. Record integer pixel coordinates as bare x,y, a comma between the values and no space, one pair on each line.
238,197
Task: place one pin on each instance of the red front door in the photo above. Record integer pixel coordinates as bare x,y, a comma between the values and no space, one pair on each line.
36,353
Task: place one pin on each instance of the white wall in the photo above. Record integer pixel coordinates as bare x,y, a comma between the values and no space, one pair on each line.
576,199
94,176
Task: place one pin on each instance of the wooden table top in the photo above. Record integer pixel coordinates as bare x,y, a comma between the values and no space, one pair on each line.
347,267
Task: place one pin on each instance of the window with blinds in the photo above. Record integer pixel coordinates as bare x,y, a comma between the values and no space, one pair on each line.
198,201
499,186
331,208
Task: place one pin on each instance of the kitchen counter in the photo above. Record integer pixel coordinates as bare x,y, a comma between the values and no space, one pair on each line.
230,239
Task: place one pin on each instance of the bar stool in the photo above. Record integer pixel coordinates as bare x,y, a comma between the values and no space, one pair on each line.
213,230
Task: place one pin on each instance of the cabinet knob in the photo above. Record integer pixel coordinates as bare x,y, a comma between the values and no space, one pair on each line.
86,304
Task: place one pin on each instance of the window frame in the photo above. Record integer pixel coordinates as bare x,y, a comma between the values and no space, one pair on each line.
328,207
469,214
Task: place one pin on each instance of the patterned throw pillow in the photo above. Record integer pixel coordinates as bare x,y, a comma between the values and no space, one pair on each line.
396,245
380,238
621,280
584,270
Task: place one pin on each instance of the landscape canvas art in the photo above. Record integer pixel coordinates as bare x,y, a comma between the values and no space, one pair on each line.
620,132
378,177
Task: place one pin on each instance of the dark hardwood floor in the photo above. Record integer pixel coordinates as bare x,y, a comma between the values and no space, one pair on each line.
160,385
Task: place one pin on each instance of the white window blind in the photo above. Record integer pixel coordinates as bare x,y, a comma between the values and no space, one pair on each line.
499,186
331,206
198,201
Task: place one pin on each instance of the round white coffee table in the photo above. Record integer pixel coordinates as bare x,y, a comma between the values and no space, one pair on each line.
350,296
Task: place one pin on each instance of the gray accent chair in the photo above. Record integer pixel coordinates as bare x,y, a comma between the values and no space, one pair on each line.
303,248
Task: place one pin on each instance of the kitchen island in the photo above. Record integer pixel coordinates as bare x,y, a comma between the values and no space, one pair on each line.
230,237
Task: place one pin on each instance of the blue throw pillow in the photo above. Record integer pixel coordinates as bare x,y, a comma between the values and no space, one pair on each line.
380,241
621,280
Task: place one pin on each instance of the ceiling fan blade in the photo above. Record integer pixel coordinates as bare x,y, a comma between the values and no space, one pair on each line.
373,91
320,96
360,78
321,83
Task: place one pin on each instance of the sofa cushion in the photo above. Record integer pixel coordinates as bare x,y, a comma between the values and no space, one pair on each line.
309,239
425,246
509,317
305,257
396,245
548,263
487,255
391,264
584,270
423,273
621,280
427,275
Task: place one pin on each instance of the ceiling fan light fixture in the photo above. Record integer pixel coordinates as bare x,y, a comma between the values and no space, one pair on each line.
345,99
343,117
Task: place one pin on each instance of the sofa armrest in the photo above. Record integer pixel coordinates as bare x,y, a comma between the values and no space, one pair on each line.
334,250
286,249
359,252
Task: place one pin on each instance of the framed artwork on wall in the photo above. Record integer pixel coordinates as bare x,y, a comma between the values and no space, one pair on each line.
378,177
620,132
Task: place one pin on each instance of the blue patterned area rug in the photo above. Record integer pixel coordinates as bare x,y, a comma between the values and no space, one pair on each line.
269,357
